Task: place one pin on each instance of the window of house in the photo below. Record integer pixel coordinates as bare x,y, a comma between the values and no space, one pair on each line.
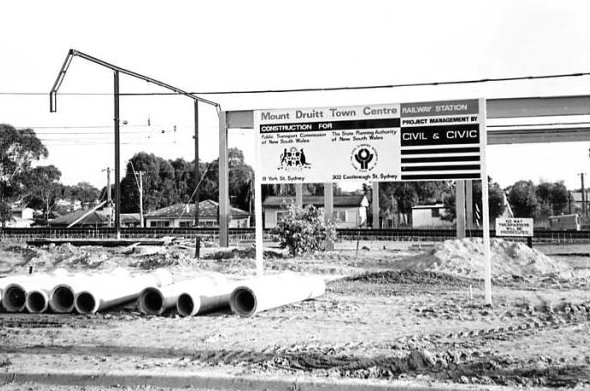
339,215
434,212
159,224
281,216
184,224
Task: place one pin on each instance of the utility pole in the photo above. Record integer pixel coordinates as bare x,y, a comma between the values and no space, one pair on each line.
583,194
140,174
197,169
109,200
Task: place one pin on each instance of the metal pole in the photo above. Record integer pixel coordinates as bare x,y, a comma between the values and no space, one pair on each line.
460,208
109,198
583,195
223,183
299,195
117,160
141,199
485,208
197,169
469,205
258,217
329,209
376,207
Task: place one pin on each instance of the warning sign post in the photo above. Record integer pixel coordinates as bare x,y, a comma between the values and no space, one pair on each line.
521,227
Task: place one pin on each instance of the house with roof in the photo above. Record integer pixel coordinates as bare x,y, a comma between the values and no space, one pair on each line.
349,211
22,217
183,215
96,219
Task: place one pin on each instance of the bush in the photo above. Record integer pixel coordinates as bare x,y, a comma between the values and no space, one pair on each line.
303,231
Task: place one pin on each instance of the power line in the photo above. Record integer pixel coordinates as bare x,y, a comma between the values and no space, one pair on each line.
320,89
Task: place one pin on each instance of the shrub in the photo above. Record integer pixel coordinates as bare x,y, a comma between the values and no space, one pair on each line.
302,230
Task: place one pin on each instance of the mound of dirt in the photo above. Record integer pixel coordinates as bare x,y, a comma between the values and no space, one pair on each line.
248,252
465,257
411,277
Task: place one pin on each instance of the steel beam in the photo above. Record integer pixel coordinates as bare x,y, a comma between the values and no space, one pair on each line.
546,106
460,208
538,135
376,206
329,209
224,206
197,168
117,157
299,195
469,205
525,107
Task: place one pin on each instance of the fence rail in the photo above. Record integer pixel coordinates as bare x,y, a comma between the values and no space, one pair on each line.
247,234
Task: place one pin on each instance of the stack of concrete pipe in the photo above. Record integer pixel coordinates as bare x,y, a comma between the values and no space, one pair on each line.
64,292
100,296
154,292
155,300
16,290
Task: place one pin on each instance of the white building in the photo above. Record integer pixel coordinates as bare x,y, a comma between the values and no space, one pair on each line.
429,216
349,210
22,217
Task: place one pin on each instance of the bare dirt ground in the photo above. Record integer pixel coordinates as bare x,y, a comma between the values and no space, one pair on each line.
391,311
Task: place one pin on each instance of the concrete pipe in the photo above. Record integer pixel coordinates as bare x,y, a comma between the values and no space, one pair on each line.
37,301
102,296
4,282
198,301
62,296
154,300
263,293
14,295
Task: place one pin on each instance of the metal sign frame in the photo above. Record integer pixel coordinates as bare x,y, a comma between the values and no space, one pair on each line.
523,107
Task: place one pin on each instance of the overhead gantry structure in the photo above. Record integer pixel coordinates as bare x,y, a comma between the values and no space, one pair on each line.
526,107
116,71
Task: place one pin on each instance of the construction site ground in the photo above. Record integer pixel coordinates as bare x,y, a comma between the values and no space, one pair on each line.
390,316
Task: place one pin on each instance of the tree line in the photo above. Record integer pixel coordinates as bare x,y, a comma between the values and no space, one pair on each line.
166,182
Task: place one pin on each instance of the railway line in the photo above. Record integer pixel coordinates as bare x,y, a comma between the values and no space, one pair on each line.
247,234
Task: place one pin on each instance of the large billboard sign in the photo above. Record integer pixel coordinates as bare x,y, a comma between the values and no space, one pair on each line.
391,142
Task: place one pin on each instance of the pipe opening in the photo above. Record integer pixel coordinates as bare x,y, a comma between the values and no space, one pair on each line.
85,303
63,299
152,301
185,305
36,302
14,298
244,302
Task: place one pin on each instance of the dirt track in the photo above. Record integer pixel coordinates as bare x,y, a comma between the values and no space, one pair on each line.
379,324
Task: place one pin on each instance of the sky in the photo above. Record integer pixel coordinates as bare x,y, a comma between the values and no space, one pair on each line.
205,46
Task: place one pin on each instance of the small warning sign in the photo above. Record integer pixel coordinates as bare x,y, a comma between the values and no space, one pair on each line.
514,227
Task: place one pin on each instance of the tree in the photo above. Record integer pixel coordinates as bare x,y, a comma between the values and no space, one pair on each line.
523,199
240,177
84,192
18,149
302,230
166,182
552,198
402,194
495,200
43,187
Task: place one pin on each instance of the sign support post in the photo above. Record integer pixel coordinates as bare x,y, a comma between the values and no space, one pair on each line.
485,204
258,208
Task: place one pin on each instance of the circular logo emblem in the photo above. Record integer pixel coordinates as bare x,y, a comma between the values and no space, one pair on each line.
364,157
